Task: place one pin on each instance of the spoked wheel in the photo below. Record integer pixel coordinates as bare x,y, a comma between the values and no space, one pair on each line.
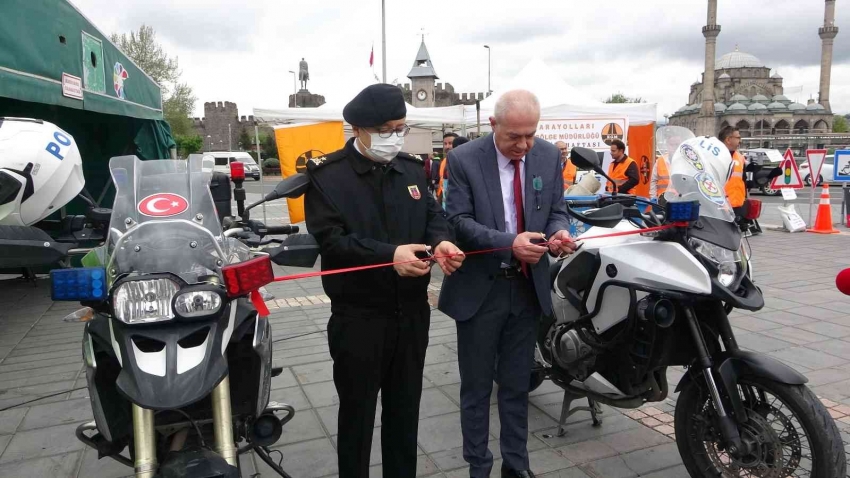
787,431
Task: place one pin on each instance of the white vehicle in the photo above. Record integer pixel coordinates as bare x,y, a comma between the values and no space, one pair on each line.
224,158
825,171
627,307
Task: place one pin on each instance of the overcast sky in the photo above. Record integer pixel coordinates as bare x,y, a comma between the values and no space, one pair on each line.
241,51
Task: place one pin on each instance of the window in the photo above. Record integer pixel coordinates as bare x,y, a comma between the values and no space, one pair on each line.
221,161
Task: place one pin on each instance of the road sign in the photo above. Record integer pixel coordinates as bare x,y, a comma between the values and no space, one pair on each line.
841,168
790,177
816,157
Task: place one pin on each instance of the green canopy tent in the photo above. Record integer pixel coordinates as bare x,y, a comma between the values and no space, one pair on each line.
55,65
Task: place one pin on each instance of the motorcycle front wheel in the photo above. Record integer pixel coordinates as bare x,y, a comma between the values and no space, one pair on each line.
788,430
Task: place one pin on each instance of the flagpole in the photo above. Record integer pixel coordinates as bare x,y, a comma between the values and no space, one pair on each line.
384,41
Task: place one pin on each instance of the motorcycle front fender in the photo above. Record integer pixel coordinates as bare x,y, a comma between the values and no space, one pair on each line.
730,366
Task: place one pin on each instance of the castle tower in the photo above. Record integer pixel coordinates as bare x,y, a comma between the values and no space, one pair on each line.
422,77
707,123
827,34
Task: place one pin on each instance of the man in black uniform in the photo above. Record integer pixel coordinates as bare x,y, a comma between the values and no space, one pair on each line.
369,204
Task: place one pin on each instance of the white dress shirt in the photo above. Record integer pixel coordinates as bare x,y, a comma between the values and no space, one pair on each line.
506,178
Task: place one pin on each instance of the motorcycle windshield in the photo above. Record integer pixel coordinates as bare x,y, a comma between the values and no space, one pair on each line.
698,172
668,138
164,220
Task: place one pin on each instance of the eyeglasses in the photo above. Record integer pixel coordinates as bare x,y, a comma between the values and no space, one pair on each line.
401,133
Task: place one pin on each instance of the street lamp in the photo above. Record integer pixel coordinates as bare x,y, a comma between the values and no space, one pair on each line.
209,137
489,91
294,90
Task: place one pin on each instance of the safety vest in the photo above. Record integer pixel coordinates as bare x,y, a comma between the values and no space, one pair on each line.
617,172
660,178
736,190
441,183
569,174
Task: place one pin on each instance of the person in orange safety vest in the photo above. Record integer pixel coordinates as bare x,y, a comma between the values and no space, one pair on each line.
736,189
623,170
568,166
660,179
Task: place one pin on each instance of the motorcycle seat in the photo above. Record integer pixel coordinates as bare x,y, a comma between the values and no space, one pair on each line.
27,246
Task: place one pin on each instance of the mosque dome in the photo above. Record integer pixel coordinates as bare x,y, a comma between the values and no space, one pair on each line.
777,106
781,99
815,107
740,99
725,76
736,107
719,107
761,99
796,107
737,59
757,107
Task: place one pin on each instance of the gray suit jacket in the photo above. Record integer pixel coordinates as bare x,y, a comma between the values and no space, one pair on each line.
476,211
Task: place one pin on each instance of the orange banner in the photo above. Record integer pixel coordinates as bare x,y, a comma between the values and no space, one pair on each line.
642,150
298,144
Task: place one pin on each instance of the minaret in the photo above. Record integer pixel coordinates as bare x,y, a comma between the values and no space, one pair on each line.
827,34
707,122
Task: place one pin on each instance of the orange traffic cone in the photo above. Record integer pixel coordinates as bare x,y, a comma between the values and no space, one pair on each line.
823,221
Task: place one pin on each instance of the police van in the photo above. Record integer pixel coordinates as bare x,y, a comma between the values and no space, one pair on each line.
224,158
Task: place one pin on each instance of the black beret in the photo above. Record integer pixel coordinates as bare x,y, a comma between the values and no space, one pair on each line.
375,105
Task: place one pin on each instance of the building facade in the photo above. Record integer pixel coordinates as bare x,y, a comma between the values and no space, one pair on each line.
424,92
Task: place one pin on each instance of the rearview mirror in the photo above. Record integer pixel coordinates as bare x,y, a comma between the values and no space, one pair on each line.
585,158
291,187
297,250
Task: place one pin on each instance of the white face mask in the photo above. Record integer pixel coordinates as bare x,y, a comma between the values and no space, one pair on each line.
385,149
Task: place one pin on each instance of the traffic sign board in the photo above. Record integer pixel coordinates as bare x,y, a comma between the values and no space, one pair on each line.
841,168
816,157
790,177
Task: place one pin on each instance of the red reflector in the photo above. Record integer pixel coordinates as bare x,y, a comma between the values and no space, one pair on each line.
237,170
753,209
247,276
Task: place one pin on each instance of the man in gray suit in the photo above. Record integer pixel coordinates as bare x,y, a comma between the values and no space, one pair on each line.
506,192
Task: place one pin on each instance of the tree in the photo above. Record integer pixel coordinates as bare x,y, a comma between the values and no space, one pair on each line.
621,98
269,146
187,145
178,100
840,125
244,139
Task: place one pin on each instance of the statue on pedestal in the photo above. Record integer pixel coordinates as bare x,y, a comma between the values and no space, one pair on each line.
303,74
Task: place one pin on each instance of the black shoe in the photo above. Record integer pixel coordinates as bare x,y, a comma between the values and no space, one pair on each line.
508,473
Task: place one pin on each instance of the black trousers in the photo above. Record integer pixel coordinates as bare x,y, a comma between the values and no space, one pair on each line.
382,353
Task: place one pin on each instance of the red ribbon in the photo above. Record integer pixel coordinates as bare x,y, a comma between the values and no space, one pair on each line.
307,275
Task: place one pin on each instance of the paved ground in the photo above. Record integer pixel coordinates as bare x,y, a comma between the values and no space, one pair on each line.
806,323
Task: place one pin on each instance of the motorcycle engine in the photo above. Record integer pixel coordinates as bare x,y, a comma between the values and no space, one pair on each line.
571,353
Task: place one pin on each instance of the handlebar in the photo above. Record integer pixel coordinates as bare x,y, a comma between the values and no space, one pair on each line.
272,230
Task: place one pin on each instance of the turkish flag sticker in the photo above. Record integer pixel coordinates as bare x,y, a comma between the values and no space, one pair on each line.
163,205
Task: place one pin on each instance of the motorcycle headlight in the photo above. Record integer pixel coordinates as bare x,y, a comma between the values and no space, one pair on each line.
144,301
197,303
731,265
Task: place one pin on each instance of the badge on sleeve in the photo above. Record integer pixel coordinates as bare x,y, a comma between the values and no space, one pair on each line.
414,192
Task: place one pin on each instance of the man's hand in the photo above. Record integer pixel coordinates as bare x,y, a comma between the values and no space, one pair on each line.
406,254
449,257
525,251
561,244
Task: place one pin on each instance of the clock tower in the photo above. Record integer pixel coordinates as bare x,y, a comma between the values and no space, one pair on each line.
422,77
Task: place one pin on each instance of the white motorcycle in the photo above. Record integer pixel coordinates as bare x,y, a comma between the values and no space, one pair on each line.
628,307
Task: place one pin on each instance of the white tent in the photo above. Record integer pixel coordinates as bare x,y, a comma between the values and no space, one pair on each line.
560,100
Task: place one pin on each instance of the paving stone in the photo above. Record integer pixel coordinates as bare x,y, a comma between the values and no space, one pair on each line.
303,426
42,443
613,467
537,420
284,380
587,451
635,439
434,402
828,329
567,473
653,459
60,413
104,467
453,391
310,459
785,318
322,394
443,373
10,419
545,461
291,396
759,342
441,433
808,358
675,472
437,354
613,423
795,335
314,373
838,348
330,415
61,466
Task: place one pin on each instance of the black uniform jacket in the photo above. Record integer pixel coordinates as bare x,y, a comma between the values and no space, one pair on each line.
359,211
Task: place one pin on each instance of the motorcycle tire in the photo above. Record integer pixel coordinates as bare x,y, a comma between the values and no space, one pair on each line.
825,451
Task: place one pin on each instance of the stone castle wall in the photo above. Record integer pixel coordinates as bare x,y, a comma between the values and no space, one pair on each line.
217,117
445,95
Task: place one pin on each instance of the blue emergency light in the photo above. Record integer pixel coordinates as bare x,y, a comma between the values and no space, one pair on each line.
682,211
82,284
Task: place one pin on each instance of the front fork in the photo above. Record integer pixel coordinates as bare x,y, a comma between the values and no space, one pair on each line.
728,426
144,433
